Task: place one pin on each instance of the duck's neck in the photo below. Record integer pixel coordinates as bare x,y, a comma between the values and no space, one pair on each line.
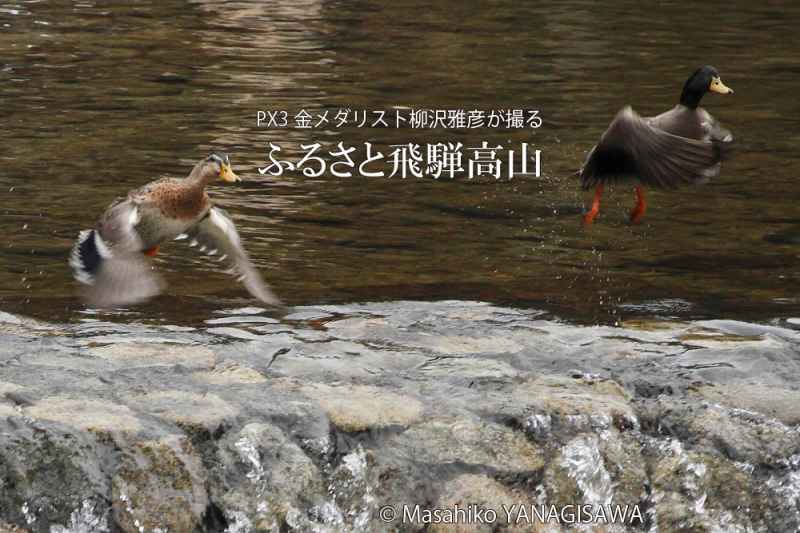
199,178
690,98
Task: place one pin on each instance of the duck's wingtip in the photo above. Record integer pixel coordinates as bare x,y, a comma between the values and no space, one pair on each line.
265,295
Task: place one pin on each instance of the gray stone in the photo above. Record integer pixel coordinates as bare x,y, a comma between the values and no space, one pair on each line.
314,421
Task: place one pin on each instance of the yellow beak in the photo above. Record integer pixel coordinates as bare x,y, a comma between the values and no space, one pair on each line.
718,87
227,174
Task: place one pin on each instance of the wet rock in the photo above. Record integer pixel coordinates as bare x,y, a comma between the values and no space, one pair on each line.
89,415
308,315
247,319
159,485
150,354
48,472
205,411
647,389
352,500
773,402
236,333
711,468
231,373
314,421
469,441
340,359
9,528
697,492
262,476
468,491
467,369
737,435
353,408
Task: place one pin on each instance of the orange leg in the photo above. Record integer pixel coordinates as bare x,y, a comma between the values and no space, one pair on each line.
641,206
151,251
589,217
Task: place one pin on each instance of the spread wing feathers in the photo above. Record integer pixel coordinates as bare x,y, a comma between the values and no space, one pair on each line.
117,226
216,235
109,262
632,148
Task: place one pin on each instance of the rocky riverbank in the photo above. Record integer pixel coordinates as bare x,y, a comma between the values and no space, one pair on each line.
317,420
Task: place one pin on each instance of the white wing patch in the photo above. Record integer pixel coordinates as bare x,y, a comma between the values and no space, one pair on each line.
226,226
102,249
118,229
133,217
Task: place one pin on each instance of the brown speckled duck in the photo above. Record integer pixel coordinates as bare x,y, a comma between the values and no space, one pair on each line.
111,260
683,145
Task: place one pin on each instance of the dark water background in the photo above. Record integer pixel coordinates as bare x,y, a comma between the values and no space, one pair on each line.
87,113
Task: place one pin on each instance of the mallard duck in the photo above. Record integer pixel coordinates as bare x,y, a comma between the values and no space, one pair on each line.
112,259
683,145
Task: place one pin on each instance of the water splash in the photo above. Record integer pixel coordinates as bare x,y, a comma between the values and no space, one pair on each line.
539,426
85,519
352,499
248,451
238,523
787,485
584,463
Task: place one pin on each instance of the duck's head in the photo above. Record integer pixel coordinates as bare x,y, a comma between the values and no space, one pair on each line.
216,165
703,80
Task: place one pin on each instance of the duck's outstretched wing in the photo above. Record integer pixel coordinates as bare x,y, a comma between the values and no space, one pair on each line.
216,235
633,148
108,260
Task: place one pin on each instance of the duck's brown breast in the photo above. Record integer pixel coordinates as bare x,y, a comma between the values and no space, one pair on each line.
180,202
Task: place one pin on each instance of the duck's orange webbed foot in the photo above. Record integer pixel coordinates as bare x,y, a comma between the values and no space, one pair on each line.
641,206
151,252
589,217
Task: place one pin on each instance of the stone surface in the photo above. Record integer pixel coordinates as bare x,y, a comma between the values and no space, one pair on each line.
159,485
474,442
231,373
775,402
360,407
263,477
150,354
470,490
92,415
316,421
190,408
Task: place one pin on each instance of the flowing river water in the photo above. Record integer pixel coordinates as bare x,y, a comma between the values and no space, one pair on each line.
98,99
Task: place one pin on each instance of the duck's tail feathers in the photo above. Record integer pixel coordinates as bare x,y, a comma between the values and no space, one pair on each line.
87,256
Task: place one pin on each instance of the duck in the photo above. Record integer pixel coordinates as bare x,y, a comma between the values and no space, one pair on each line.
112,261
684,145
